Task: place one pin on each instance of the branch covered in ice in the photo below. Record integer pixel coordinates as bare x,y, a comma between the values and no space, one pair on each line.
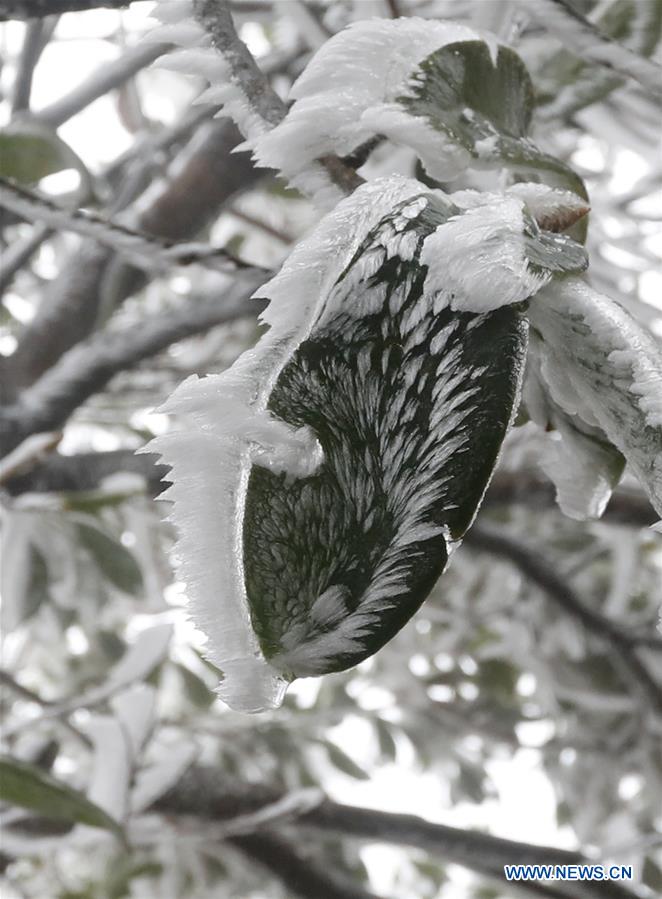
90,365
144,250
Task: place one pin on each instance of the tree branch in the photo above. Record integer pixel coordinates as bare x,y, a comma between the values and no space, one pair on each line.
302,875
259,97
205,176
88,367
544,575
205,793
152,253
37,35
216,18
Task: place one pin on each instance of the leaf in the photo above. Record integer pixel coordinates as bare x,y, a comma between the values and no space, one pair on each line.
196,689
598,364
28,787
380,417
340,760
30,152
115,562
387,746
439,88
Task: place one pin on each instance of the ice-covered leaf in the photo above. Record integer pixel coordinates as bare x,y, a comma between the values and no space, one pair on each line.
115,561
135,710
580,461
490,252
601,367
451,94
29,787
320,484
111,768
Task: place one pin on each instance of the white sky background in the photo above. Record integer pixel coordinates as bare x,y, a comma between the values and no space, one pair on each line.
525,808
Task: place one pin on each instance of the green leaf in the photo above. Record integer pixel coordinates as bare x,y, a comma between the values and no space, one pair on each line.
387,745
28,787
340,760
37,590
116,563
30,152
196,689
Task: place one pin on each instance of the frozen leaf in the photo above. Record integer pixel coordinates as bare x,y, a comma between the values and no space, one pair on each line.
599,365
580,461
111,768
340,760
454,96
320,484
114,560
135,709
29,787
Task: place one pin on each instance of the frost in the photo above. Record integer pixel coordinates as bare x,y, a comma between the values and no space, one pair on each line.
349,92
477,260
199,57
600,365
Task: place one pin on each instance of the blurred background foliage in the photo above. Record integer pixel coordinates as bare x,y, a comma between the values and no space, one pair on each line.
500,706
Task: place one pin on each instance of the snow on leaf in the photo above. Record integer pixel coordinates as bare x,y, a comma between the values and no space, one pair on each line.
491,252
598,364
580,461
320,484
135,710
111,768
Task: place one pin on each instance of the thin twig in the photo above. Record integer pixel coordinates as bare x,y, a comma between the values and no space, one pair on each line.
144,250
263,102
90,365
540,571
18,254
216,18
37,35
